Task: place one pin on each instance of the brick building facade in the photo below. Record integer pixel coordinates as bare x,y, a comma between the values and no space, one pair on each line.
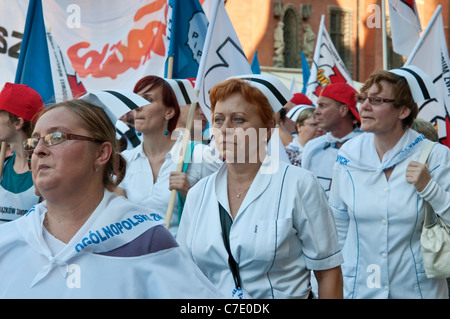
279,29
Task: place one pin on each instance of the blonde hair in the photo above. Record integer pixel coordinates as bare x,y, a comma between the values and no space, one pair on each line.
96,122
426,128
304,115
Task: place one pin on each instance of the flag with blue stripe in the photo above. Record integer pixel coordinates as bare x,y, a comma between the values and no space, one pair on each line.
255,64
187,31
306,72
34,68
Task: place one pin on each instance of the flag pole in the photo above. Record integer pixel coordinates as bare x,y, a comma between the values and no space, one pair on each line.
383,10
190,118
2,158
421,39
316,54
170,67
185,141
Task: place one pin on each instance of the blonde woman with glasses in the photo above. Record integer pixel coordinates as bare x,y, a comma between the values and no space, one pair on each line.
84,241
308,128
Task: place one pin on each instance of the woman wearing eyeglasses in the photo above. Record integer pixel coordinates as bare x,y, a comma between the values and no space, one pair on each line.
84,241
308,128
379,189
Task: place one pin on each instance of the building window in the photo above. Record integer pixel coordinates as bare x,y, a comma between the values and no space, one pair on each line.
341,33
394,60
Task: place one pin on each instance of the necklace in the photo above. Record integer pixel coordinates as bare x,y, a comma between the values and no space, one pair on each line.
238,195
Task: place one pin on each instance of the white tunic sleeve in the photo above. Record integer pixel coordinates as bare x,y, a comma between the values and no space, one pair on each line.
437,192
315,224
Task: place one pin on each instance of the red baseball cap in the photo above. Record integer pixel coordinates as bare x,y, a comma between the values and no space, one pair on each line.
344,93
21,100
301,99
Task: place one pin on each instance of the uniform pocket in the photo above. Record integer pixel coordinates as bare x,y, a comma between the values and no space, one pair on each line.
272,237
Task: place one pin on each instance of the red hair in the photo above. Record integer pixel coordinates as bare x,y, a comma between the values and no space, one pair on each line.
169,99
251,94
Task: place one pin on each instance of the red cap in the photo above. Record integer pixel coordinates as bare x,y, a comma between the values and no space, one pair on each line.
300,98
21,100
344,93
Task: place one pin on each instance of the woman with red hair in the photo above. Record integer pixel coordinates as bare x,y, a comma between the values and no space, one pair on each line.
152,165
258,225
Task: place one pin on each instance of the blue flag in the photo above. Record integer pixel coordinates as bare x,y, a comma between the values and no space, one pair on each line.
187,31
306,72
255,64
33,67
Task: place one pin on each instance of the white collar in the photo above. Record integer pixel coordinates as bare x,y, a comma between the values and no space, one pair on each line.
115,222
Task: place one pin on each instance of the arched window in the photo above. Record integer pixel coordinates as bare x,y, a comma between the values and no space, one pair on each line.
291,36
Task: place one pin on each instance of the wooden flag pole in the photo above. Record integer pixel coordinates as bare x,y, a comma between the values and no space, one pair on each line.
2,158
184,144
170,68
186,138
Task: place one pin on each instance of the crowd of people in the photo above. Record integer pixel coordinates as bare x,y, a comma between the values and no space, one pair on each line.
337,215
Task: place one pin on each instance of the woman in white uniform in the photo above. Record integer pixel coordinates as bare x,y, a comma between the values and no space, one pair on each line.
151,172
84,241
274,216
379,190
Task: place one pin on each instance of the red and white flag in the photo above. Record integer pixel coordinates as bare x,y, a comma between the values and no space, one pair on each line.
431,55
405,25
327,66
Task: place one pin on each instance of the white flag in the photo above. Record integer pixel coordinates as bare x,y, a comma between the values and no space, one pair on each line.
405,25
222,56
327,66
431,55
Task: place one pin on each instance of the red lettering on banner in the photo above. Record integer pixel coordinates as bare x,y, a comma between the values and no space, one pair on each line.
115,59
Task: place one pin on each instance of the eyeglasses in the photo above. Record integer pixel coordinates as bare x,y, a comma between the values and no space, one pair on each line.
372,100
55,138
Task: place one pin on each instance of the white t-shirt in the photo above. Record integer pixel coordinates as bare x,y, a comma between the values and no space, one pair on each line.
15,204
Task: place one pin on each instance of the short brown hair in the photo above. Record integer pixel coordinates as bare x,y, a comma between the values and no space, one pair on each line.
401,90
27,126
251,94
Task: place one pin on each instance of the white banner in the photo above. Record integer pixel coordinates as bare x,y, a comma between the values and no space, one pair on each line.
431,55
111,44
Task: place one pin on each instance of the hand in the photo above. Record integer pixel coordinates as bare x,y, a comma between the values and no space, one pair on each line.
418,175
179,181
